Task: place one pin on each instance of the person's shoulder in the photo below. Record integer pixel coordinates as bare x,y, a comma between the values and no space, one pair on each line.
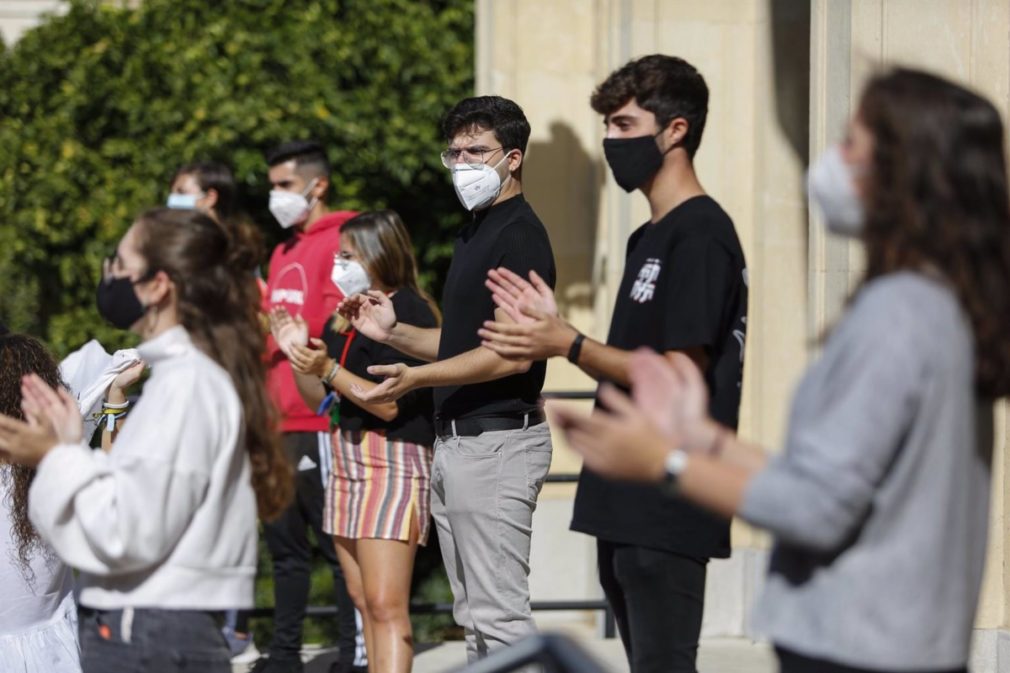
906,292
409,304
702,221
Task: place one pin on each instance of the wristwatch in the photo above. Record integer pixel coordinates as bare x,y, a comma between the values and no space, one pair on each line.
674,465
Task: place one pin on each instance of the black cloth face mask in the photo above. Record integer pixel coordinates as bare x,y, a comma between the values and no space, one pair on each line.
633,161
117,301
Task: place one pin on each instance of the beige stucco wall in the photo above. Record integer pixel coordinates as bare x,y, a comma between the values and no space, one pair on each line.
783,75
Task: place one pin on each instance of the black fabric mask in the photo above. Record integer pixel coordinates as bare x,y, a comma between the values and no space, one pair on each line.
633,161
118,303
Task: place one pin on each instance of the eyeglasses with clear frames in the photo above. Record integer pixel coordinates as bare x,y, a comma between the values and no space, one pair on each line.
474,156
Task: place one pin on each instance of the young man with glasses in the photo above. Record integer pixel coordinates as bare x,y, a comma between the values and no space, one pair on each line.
494,447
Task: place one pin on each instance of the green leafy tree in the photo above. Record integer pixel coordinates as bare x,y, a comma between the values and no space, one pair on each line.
99,106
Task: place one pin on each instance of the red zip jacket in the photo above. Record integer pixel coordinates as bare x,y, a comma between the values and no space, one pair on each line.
299,280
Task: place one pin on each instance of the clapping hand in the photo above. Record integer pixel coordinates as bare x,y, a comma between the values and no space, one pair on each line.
371,313
51,418
288,331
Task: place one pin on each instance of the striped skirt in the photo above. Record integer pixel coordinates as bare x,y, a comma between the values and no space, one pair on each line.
377,487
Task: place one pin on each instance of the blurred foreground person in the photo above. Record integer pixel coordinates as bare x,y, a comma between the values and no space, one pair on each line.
879,502
163,527
38,618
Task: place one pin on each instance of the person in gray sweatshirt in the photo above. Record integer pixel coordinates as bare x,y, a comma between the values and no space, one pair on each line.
879,501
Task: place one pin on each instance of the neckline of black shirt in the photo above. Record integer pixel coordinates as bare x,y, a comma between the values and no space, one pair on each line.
678,209
498,212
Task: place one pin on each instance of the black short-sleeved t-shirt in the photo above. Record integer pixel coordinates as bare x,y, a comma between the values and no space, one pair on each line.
509,235
413,423
684,286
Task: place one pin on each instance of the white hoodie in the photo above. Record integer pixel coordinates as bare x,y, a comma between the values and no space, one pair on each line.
167,519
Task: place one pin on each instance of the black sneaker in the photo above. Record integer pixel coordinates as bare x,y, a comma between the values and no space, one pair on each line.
278,665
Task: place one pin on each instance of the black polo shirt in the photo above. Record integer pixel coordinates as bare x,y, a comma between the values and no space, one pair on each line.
510,235
684,286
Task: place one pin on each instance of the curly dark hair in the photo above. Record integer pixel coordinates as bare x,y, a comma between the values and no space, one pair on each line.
20,355
938,198
667,86
500,115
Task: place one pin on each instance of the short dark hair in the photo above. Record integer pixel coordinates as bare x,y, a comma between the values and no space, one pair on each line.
490,113
211,175
305,153
667,86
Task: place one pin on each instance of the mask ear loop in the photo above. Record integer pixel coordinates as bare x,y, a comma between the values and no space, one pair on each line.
315,199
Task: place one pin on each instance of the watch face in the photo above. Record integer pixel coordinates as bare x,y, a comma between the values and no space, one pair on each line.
675,463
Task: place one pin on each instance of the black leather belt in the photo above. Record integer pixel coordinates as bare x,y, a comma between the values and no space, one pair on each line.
471,427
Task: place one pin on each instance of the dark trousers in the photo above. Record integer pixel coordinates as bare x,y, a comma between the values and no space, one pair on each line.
791,662
151,640
658,598
288,541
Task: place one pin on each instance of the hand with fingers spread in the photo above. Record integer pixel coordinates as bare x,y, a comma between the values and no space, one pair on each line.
370,313
288,331
312,359
511,293
671,392
399,380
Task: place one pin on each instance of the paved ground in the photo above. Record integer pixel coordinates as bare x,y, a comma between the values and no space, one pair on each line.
717,655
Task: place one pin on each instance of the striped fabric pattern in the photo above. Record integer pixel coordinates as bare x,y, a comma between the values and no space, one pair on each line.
376,486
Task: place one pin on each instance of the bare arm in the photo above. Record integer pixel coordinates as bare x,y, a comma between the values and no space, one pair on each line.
310,365
474,366
416,342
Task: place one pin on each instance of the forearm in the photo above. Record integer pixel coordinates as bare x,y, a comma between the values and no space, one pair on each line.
475,366
343,382
310,388
417,342
714,484
604,363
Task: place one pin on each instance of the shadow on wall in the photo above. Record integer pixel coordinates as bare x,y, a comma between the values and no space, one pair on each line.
790,26
562,181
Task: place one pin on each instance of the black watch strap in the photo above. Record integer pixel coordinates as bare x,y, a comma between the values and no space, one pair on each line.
576,348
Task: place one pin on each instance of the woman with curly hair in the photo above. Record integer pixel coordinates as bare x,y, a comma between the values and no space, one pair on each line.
163,527
879,502
38,618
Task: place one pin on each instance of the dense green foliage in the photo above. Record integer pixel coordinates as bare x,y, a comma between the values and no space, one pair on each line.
98,107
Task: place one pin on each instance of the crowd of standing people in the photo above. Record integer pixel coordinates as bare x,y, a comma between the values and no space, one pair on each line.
334,395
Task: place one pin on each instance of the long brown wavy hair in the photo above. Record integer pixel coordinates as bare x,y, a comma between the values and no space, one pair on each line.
938,197
383,244
211,265
20,355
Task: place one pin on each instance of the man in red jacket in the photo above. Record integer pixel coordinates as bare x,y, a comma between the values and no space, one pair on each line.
299,280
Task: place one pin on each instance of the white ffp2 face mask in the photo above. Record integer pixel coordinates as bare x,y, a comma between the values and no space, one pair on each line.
291,208
350,277
831,186
477,186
